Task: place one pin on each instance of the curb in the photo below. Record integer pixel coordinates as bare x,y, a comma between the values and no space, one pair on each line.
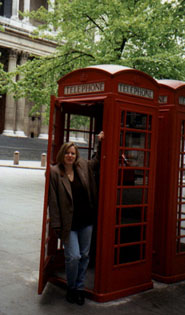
23,166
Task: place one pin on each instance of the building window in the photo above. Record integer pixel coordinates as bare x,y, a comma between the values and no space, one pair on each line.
6,8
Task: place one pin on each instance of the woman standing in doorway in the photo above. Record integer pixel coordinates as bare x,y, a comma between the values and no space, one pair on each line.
72,206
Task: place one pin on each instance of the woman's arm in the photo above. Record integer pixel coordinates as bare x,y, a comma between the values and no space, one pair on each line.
94,162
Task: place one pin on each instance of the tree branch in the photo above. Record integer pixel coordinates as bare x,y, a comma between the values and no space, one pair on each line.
121,48
90,19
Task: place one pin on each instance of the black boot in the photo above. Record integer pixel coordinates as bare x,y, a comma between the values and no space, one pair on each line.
80,297
71,295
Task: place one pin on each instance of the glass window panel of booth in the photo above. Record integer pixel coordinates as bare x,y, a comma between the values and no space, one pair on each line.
136,120
181,194
132,234
180,231
132,177
132,187
135,139
130,196
130,215
80,130
183,211
134,158
182,244
182,161
129,254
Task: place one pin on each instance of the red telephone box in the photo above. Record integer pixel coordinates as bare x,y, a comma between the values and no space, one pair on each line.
124,103
169,214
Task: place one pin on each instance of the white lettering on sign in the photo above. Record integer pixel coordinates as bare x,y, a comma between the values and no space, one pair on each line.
181,100
135,90
163,99
84,88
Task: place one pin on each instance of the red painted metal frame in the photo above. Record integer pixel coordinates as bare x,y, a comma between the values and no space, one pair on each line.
43,275
110,282
168,265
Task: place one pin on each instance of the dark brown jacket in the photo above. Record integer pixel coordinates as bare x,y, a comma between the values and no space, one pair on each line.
60,194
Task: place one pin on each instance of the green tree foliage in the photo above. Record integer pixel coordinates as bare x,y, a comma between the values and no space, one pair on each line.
4,80
143,34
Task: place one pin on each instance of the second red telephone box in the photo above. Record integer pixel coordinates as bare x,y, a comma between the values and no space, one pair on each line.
122,102
169,218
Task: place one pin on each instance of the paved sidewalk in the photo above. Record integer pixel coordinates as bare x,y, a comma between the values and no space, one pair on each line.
22,164
21,208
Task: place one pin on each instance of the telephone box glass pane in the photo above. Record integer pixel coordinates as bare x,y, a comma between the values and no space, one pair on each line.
121,138
139,176
183,210
147,161
116,236
129,254
132,186
183,193
137,158
122,119
131,215
149,141
130,234
180,231
115,256
150,122
182,244
132,177
181,161
135,139
80,130
119,177
136,120
132,196
128,177
145,213
118,197
117,216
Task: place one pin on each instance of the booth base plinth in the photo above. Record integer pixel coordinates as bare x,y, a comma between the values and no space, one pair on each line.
169,278
108,296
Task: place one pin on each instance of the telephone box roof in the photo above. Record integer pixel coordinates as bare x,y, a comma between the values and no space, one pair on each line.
174,84
110,68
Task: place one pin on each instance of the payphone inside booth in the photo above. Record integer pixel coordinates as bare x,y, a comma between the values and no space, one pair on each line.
122,102
169,219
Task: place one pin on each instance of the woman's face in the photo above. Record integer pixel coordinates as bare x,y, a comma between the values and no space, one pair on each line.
70,156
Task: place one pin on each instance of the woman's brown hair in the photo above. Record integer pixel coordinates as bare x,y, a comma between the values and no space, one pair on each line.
61,154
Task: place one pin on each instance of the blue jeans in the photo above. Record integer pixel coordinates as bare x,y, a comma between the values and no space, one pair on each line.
76,252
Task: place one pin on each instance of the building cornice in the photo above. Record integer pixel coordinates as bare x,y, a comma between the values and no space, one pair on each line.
15,37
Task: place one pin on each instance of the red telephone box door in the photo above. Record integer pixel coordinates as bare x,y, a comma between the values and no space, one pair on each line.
62,129
179,259
126,267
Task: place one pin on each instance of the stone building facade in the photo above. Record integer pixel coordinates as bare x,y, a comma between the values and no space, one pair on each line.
16,46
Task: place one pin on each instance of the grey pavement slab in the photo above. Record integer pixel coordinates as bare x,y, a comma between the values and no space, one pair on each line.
21,206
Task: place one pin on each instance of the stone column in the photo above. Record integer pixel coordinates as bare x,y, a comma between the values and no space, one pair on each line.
51,9
26,8
21,105
10,109
15,9
27,118
50,6
44,127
